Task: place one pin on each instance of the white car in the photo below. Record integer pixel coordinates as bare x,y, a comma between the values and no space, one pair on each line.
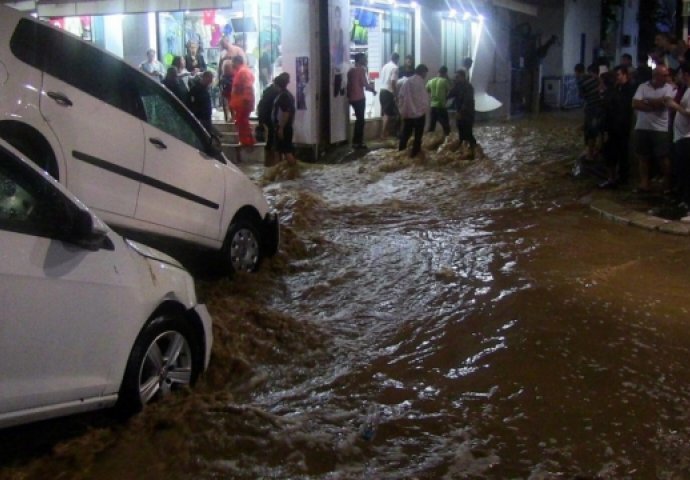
89,320
124,145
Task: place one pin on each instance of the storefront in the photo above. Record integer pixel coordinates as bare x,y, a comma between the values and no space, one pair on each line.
374,28
127,36
253,25
315,46
377,30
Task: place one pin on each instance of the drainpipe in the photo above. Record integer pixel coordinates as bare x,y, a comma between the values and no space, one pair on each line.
684,8
324,136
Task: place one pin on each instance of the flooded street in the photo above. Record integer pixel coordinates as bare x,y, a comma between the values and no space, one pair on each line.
436,319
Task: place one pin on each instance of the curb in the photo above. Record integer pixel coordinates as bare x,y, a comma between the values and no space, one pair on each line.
620,214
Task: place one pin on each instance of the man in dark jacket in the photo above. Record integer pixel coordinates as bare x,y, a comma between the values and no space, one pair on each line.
618,117
283,118
265,113
463,95
200,100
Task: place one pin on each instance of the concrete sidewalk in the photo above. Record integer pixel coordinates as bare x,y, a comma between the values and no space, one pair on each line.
618,211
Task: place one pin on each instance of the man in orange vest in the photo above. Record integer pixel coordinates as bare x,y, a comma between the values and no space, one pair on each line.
242,99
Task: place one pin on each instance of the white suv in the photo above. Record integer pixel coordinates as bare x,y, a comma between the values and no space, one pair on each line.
88,320
124,145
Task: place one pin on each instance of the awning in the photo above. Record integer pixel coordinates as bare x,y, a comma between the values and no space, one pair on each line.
517,6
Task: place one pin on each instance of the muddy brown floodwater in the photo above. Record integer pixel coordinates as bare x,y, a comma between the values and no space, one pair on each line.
435,319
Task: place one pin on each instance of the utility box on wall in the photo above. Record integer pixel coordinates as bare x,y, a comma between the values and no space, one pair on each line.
553,92
561,92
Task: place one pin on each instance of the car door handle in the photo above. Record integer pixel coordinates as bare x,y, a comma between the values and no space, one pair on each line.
60,99
158,143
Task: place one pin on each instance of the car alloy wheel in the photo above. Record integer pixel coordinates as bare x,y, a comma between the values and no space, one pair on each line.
167,365
242,249
166,356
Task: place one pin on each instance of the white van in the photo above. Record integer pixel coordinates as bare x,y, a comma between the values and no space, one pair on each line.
124,145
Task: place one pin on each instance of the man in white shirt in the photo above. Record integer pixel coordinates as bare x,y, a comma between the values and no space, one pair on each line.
388,79
413,102
151,66
681,139
652,141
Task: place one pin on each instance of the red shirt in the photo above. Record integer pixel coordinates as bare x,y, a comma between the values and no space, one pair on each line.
356,81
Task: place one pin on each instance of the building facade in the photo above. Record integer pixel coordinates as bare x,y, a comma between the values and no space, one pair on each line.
315,42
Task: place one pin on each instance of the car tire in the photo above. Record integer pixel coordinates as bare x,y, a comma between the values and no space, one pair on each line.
242,248
166,357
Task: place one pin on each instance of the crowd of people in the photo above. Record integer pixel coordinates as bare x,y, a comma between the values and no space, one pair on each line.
235,82
190,80
646,108
406,98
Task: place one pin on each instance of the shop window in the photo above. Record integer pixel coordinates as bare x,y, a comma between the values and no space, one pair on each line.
457,42
98,74
127,36
170,36
397,33
378,32
270,41
79,26
252,25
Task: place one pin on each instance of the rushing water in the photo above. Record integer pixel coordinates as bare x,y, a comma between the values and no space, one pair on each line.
436,319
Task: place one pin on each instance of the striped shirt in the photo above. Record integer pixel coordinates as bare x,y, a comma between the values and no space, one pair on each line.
590,92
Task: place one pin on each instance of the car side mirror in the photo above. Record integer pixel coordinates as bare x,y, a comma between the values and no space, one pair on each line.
88,232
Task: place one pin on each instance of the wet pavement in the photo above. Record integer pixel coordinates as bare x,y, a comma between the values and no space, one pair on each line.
434,318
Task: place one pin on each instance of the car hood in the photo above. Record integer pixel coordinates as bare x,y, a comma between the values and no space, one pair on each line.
148,252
